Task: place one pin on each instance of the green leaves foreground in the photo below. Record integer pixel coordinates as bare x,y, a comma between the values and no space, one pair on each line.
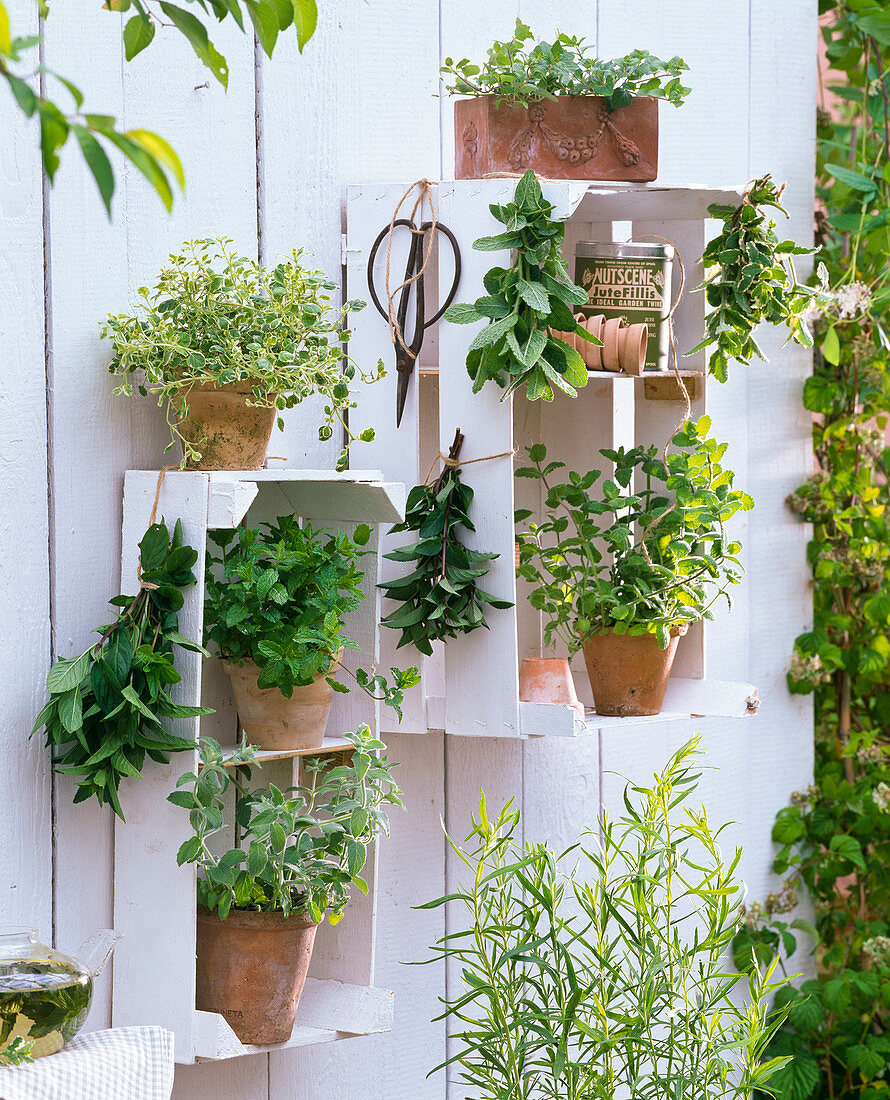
524,303
440,598
108,707
147,151
304,847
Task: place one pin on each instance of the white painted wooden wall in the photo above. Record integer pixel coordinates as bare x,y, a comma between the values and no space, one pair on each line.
267,164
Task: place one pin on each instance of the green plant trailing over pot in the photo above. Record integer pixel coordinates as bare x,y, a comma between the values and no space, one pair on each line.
524,74
440,598
751,280
632,561
218,318
110,706
524,302
277,595
304,847
576,979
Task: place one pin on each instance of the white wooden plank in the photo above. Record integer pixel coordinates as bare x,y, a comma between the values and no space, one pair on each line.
97,267
705,139
154,900
246,1078
395,449
299,200
467,29
783,65
25,790
488,656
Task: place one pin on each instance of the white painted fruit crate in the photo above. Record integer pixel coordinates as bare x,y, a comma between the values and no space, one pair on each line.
154,902
470,686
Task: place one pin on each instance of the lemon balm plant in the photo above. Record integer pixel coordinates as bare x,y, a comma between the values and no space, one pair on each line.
603,971
622,572
225,344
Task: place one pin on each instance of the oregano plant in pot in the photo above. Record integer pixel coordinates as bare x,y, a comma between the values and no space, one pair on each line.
277,598
623,571
225,345
301,852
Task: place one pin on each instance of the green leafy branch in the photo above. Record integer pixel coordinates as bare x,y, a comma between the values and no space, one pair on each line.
751,280
524,302
97,134
17,1053
440,598
110,706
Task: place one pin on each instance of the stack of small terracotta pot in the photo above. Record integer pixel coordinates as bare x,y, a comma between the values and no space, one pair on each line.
624,346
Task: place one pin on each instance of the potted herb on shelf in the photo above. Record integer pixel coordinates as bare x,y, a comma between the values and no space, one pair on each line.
225,345
623,572
553,107
259,905
276,599
574,973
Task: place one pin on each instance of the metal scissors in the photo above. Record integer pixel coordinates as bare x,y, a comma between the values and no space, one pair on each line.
407,354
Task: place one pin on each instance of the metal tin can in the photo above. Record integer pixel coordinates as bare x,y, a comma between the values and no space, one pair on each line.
632,281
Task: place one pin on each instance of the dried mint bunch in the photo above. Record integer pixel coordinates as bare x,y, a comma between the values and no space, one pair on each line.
110,706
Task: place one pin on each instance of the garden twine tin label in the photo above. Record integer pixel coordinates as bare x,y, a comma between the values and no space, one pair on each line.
631,281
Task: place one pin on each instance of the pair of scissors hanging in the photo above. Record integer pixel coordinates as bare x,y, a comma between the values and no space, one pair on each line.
419,253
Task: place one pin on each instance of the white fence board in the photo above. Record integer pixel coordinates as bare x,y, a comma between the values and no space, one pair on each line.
25,826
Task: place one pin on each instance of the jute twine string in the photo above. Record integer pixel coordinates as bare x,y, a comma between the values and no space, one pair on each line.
446,461
675,366
426,193
151,521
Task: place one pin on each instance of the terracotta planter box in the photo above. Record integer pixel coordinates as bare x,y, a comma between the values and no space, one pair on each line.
572,137
629,672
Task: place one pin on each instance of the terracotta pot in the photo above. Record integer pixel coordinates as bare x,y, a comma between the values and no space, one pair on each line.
274,722
629,673
633,341
251,969
609,350
236,434
572,137
548,680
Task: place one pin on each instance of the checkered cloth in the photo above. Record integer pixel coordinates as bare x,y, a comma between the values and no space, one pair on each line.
126,1063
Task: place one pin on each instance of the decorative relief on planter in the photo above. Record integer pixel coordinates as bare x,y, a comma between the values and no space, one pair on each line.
572,137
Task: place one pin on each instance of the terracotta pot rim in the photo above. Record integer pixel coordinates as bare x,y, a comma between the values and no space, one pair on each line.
242,387
678,630
255,918
545,99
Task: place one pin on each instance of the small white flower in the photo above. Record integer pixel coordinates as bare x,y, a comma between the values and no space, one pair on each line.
851,300
881,797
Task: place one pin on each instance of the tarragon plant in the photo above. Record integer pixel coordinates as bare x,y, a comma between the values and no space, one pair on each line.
603,971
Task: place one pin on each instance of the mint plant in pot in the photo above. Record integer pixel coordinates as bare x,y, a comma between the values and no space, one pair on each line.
555,108
276,600
225,345
302,851
623,572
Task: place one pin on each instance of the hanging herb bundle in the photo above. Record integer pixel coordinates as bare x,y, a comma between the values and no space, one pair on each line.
524,303
751,280
440,598
107,706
